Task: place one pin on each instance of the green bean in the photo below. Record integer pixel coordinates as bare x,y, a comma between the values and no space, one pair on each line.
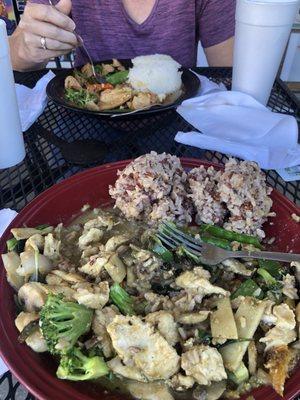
219,232
219,242
117,77
267,277
121,299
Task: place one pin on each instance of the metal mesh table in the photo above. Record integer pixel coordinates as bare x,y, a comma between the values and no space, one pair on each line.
44,164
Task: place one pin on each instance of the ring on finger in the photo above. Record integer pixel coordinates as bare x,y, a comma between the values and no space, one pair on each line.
43,43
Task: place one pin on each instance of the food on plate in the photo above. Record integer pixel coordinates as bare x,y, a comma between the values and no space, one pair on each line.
158,74
152,80
115,305
155,186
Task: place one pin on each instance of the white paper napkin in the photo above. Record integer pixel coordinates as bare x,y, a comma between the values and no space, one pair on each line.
32,102
235,123
6,216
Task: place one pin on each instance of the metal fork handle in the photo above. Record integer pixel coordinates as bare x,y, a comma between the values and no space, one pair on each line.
81,44
265,255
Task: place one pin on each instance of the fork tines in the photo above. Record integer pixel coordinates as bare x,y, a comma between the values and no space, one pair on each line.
174,237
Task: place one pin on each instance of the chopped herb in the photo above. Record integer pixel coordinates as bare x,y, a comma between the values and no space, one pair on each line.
274,268
80,97
248,288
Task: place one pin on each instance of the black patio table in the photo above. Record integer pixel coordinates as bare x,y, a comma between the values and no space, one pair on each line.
44,164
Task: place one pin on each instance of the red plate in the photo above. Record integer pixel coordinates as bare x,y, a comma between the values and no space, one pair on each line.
59,204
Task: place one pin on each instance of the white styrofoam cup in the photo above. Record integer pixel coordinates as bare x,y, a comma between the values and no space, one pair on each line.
12,150
262,31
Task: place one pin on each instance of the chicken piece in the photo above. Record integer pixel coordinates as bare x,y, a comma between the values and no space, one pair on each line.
102,221
141,100
57,276
107,69
137,344
32,262
63,289
91,105
94,235
285,316
284,331
192,318
52,248
92,296
34,243
94,266
193,281
278,360
72,83
113,98
155,302
289,287
237,267
204,364
149,391
277,337
180,382
116,64
33,295
164,322
88,252
12,262
87,70
125,371
268,317
102,318
115,241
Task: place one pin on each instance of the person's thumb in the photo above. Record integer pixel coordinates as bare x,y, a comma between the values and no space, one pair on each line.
64,6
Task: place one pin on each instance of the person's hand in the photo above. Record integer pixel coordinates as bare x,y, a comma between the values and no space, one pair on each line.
43,32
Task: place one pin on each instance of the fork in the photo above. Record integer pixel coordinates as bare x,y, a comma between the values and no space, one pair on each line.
209,254
98,77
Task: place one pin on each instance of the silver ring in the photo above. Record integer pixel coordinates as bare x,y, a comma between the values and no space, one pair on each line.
43,43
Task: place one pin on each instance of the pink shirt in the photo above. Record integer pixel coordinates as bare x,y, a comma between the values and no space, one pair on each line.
174,27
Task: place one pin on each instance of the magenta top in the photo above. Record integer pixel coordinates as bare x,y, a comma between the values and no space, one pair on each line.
174,27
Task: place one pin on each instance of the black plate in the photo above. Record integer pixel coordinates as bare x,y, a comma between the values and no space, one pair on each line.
56,92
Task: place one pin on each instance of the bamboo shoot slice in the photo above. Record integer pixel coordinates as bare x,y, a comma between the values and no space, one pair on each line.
222,321
247,318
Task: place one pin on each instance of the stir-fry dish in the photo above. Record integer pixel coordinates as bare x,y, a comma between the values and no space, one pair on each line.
153,80
113,303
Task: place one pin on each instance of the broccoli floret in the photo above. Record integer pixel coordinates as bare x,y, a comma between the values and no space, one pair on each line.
75,366
63,322
121,299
